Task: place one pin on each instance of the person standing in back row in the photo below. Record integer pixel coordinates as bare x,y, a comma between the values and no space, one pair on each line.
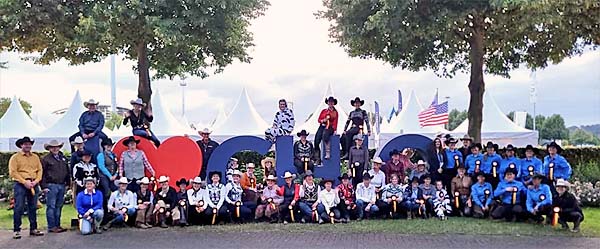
283,124
328,121
141,117
359,119
91,123
55,179
207,146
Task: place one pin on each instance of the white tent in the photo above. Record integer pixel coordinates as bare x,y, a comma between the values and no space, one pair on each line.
220,118
497,127
15,123
164,123
407,121
121,132
311,124
67,124
243,119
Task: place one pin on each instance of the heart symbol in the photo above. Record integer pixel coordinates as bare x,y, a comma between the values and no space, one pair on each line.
177,157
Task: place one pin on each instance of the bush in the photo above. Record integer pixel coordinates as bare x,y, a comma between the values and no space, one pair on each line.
587,193
587,172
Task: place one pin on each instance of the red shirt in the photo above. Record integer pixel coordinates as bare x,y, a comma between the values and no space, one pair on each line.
346,192
333,117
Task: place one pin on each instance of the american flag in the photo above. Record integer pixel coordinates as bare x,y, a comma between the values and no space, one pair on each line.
434,115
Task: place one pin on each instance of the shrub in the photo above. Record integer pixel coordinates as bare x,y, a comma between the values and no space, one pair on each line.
587,172
587,193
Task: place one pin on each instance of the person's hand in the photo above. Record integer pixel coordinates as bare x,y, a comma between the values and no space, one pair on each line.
484,208
127,114
508,189
112,178
372,203
46,190
530,187
344,133
534,211
347,202
141,206
91,135
314,205
84,136
27,184
440,170
388,200
293,202
168,213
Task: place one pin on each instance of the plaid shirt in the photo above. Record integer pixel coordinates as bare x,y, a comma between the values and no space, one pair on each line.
346,192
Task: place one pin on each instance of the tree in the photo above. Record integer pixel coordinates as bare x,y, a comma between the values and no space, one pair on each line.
5,103
582,137
554,128
455,118
528,120
450,36
170,37
115,121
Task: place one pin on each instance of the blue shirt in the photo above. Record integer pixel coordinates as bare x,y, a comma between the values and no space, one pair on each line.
478,194
101,165
505,196
537,197
511,162
451,161
91,121
471,163
87,201
562,168
488,161
529,167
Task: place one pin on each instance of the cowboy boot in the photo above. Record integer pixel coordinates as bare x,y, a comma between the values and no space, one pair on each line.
327,151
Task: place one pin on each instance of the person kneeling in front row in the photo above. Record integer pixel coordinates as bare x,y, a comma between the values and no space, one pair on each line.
539,199
366,197
509,192
567,205
482,195
121,203
89,207
328,202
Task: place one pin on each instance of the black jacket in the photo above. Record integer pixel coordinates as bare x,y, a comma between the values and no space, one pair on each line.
567,203
55,171
170,198
207,150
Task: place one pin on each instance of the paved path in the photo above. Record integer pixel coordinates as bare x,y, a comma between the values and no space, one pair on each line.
189,238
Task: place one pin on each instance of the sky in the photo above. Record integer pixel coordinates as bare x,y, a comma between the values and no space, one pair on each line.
295,59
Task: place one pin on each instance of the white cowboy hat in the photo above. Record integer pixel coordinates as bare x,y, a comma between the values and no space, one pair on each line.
378,160
89,179
53,143
288,175
205,131
90,102
137,101
196,179
162,179
250,165
233,159
271,178
236,173
78,140
563,183
144,180
122,180
421,162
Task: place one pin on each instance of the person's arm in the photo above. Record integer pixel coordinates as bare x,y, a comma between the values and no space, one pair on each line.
39,171
548,194
296,149
121,164
373,196
347,123
149,116
43,183
568,170
500,189
366,156
101,165
79,204
151,197
126,119
453,184
82,120
366,119
322,117
13,171
100,125
296,192
223,193
301,193
292,121
475,197
529,203
132,201
228,188
111,202
147,164
98,200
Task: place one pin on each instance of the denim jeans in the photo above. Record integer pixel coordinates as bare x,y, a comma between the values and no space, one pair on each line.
324,215
54,203
360,205
305,208
23,194
143,133
87,226
119,218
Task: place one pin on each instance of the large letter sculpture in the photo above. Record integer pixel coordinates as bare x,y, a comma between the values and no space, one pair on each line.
420,143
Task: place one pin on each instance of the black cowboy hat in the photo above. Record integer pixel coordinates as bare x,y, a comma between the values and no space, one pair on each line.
509,147
302,133
362,102
84,153
425,176
308,173
344,176
331,98
367,176
480,173
23,140
460,165
107,141
415,179
538,176
491,144
510,170
451,140
530,147
210,174
326,181
182,181
555,145
478,145
395,152
129,140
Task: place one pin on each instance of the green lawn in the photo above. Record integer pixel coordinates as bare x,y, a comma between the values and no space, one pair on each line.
590,227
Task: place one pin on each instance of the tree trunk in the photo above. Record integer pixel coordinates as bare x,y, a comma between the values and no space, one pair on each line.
144,88
476,84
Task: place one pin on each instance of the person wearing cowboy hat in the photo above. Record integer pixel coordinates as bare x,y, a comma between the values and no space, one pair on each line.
420,171
413,200
474,161
539,200
454,158
428,193
56,178
145,207
25,169
358,158
268,166
397,165
461,184
466,141
309,194
182,202
196,197
366,198
509,192
121,203
347,199
207,146
510,161
291,194
91,123
378,175
491,158
303,150
570,210
77,146
140,118
268,205
216,194
89,207
482,202
394,188
133,163
358,117
328,121
283,124
166,200
561,167
232,165
107,165
233,198
328,201
248,180
530,164
84,169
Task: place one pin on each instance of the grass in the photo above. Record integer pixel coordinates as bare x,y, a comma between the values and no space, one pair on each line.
589,228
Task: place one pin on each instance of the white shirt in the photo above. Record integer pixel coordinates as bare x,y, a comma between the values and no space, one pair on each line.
195,196
118,200
366,194
378,178
329,199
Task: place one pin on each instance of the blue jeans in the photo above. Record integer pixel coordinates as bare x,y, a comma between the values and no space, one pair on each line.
21,195
305,208
86,226
360,205
54,203
119,218
143,133
324,215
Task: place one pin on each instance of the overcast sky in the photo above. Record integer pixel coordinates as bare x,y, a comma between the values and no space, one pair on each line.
294,59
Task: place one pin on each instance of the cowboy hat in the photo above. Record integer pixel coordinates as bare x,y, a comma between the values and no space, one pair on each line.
196,180
182,181
23,140
421,162
267,159
53,143
77,140
162,179
236,173
358,137
250,165
425,176
480,173
367,176
476,145
510,170
562,183
106,142
460,166
205,131
555,145
466,137
378,160
357,99
530,147
509,147
271,178
288,175
90,102
308,173
233,159
122,180
212,173
89,179
344,176
394,152
144,180
129,140
490,144
137,101
451,140
84,153
326,181
302,133
331,98
538,176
